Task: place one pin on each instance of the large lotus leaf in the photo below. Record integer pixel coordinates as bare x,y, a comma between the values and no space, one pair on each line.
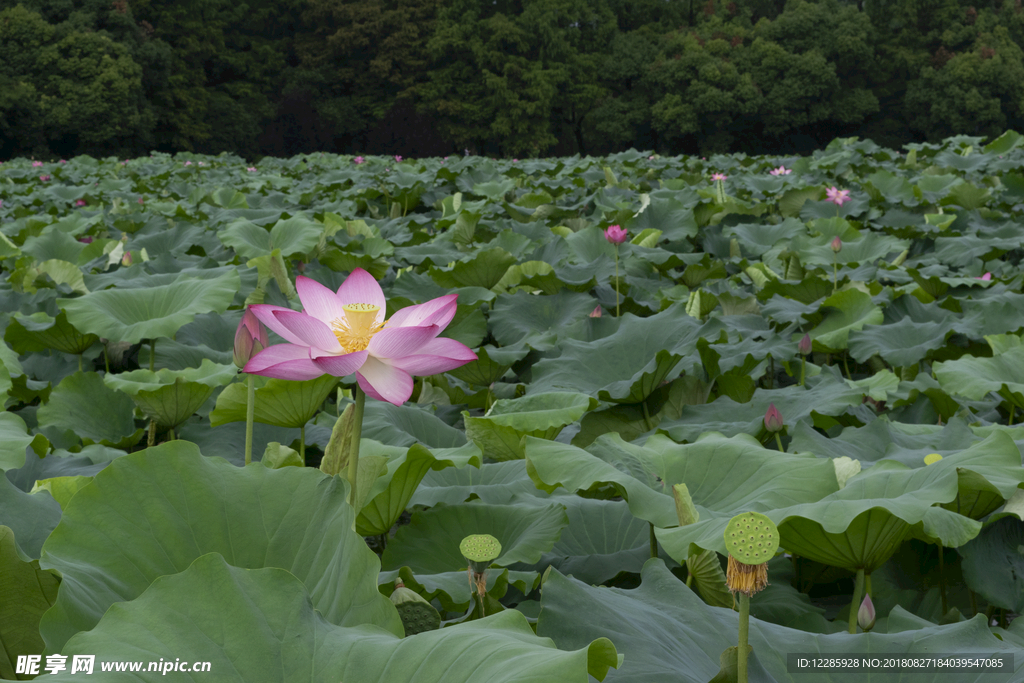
28,592
490,365
974,378
430,542
133,314
38,332
901,344
14,439
883,439
500,430
62,489
390,493
726,475
988,473
30,516
667,214
858,527
496,483
280,402
484,269
407,424
628,365
262,626
827,394
171,396
85,405
452,590
848,310
603,539
154,512
993,564
535,321
669,635
293,236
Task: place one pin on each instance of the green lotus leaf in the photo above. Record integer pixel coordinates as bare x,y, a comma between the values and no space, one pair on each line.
851,309
408,424
988,474
134,314
62,488
430,542
858,527
974,377
902,343
262,625
669,635
522,319
31,516
294,236
499,432
276,456
490,365
85,405
38,332
484,269
727,475
496,483
389,495
28,592
280,402
169,505
452,590
993,564
171,396
14,439
628,365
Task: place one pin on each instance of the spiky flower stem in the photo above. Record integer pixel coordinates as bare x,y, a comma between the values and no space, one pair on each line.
250,411
741,652
357,431
616,281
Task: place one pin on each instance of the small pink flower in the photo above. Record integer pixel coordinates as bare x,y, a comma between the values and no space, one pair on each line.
202,163
86,239
596,313
63,161
79,202
251,169
250,338
836,245
515,160
124,162
36,164
703,159
126,260
398,157
866,613
781,170
615,234
773,419
719,176
986,277
837,196
188,163
358,160
649,158
44,178
141,200
804,347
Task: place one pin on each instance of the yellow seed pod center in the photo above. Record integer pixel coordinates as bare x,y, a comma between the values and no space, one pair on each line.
357,328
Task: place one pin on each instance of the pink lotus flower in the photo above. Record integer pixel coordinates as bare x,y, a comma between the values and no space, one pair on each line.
836,245
837,196
188,163
250,338
202,164
44,178
124,163
79,202
126,260
596,313
251,169
615,234
63,161
649,158
85,239
773,419
398,157
986,277
781,170
141,200
345,332
358,160
866,613
804,346
36,164
515,160
719,176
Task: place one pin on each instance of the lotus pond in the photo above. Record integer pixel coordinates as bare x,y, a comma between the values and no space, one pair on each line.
612,365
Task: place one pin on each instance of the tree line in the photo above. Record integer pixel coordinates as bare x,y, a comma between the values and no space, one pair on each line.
510,78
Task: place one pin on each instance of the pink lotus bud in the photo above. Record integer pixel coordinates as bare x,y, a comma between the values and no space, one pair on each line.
126,260
250,338
986,277
79,202
866,613
804,347
836,244
63,161
141,200
86,239
398,157
44,178
615,234
36,164
772,419
596,313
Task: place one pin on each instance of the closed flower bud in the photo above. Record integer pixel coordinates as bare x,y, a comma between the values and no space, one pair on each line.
836,245
866,614
772,419
596,313
250,338
804,347
615,234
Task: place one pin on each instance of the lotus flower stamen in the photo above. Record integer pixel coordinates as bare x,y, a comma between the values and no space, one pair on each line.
357,328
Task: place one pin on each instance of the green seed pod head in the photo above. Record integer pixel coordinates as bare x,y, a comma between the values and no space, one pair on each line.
417,614
480,550
751,538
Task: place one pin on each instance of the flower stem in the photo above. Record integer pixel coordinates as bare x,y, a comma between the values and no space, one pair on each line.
942,580
353,455
152,355
847,367
151,439
654,541
616,281
778,442
302,442
858,591
741,651
803,369
79,362
106,359
835,273
250,410
647,417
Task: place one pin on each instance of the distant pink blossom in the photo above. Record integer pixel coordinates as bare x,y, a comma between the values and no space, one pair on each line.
358,160
86,239
837,196
515,160
596,313
398,157
649,158
202,163
36,164
719,176
141,200
781,170
63,161
79,202
986,277
251,169
44,178
615,234
836,244
188,163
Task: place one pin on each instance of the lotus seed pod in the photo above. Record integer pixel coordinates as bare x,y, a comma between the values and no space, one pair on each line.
417,614
751,538
480,550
